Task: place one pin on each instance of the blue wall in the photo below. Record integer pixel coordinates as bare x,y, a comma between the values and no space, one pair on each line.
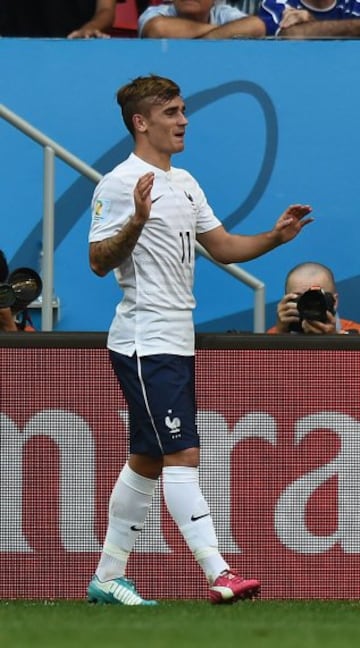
271,123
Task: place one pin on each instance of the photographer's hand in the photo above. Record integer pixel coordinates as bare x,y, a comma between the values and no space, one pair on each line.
7,322
287,313
320,328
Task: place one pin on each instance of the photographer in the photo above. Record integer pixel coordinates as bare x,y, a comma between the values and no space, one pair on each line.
7,322
310,303
17,290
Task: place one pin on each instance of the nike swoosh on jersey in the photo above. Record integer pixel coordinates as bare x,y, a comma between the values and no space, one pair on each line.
156,199
134,527
198,517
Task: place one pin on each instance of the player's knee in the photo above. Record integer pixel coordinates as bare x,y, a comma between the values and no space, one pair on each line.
188,457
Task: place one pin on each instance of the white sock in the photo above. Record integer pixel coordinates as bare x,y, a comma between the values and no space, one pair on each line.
188,508
128,506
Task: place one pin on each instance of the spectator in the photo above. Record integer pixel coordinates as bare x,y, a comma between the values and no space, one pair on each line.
17,291
249,6
300,279
56,18
146,216
315,19
198,19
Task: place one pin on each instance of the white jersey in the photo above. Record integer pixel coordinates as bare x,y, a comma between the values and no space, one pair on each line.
155,314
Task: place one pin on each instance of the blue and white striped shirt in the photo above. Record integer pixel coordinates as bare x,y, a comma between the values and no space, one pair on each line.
271,11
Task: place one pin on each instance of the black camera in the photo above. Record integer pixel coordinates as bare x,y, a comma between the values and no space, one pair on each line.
313,304
22,287
7,296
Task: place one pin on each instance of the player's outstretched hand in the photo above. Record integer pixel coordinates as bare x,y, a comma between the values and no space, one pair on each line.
292,221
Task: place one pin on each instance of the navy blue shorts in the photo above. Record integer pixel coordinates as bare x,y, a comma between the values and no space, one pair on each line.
160,394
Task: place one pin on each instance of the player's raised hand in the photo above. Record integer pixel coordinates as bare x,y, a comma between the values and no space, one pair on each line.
142,196
291,222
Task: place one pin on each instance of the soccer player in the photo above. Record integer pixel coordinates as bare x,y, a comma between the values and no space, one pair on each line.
146,216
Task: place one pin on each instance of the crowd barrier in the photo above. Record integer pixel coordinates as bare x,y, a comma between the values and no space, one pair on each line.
278,418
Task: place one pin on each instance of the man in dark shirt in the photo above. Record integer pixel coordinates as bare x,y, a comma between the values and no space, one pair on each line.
56,18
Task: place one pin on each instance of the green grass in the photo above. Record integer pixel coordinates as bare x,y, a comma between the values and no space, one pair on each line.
180,624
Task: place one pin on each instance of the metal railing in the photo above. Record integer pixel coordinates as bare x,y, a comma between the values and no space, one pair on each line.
51,150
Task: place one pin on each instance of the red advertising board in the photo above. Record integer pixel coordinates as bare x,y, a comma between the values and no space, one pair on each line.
280,468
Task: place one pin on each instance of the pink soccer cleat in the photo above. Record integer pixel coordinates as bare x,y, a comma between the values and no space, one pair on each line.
230,587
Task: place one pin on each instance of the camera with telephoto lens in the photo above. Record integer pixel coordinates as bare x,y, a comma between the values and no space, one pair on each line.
313,304
23,286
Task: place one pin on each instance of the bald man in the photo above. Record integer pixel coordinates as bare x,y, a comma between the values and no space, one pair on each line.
300,279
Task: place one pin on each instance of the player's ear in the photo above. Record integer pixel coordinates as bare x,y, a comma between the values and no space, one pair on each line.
139,122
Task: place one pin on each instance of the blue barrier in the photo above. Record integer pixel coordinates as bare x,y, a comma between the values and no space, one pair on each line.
271,123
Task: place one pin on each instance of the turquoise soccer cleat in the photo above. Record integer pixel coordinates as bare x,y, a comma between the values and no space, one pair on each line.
119,591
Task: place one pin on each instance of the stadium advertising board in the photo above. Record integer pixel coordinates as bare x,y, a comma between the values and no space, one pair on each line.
280,437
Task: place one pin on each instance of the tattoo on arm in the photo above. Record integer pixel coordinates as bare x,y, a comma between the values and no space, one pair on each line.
107,254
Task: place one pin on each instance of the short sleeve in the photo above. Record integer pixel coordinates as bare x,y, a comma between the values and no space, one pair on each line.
205,217
270,12
153,12
112,205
